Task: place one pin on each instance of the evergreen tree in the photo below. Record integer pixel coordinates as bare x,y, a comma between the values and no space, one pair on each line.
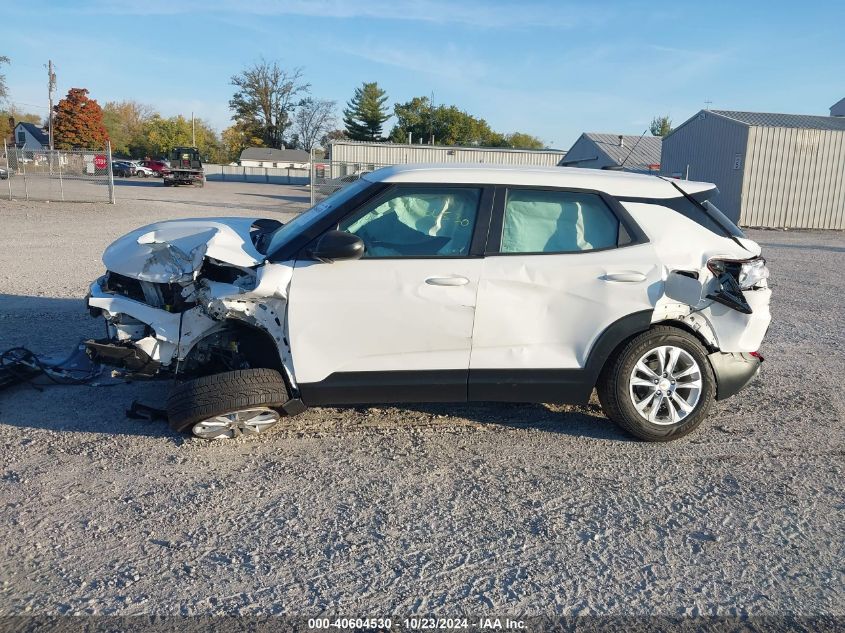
660,125
365,113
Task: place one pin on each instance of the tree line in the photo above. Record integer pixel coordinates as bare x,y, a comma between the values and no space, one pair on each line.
272,106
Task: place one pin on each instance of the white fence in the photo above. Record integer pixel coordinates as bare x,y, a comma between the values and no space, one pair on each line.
76,175
272,175
330,175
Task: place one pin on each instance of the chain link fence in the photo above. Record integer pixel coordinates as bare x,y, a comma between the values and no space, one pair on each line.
77,175
330,176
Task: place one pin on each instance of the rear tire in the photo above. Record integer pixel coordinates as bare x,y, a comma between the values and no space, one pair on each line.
650,403
237,396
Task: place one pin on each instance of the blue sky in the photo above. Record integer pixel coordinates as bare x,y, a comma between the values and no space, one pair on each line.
552,69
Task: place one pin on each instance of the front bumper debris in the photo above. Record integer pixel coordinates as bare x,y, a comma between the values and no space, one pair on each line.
733,371
124,356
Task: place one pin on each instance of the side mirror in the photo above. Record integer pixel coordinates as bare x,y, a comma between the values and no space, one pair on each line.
337,245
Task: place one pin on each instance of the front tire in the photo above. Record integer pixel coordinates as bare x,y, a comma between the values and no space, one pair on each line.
659,386
229,404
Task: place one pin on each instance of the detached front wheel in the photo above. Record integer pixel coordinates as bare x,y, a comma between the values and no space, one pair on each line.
227,405
659,386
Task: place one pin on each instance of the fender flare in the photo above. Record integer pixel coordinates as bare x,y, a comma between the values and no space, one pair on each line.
612,338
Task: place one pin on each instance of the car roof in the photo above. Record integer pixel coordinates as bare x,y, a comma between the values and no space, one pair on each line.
619,183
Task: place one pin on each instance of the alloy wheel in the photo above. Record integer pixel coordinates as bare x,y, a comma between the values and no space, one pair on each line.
235,424
665,385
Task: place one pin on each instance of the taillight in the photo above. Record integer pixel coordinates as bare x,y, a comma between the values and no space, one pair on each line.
748,273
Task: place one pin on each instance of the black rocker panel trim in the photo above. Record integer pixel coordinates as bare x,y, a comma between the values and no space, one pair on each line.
572,386
379,387
564,386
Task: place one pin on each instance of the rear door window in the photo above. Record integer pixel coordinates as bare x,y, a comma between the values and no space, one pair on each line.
548,221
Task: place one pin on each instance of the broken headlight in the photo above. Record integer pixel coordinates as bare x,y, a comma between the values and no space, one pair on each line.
752,273
747,273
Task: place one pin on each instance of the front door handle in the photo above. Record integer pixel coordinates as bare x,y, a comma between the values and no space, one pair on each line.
447,281
624,277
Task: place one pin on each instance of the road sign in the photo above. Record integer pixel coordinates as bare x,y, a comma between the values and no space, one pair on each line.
100,161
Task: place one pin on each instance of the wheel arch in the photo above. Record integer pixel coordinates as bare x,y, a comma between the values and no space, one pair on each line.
612,338
683,325
261,348
618,333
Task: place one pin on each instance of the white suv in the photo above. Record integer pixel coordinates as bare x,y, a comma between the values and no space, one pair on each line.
445,283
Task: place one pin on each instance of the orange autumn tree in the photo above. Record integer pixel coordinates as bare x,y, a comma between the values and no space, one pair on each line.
78,122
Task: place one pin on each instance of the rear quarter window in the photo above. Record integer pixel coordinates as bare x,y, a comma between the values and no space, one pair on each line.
693,212
705,213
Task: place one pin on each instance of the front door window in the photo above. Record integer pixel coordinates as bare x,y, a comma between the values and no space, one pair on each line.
417,222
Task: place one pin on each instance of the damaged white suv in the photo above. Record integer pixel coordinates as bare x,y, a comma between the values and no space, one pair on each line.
445,283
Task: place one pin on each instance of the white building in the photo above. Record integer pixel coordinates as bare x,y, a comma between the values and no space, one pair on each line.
270,157
371,156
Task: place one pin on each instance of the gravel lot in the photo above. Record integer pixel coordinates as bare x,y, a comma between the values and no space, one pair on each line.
485,510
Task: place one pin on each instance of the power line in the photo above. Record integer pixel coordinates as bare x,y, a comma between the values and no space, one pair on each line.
29,105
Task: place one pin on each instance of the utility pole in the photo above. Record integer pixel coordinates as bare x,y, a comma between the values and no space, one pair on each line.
193,132
431,120
51,89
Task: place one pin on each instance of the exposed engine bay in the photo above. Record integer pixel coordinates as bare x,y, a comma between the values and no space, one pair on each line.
191,297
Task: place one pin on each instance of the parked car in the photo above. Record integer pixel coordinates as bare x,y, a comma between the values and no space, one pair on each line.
141,171
445,283
158,167
122,168
4,174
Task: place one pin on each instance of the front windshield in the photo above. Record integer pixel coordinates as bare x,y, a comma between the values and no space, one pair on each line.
308,218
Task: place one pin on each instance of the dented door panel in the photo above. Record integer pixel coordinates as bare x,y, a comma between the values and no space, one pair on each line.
546,311
381,314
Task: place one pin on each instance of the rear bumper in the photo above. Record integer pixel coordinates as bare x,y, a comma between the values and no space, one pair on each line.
733,372
183,176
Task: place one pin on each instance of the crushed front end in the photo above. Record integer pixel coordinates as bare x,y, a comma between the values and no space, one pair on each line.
190,297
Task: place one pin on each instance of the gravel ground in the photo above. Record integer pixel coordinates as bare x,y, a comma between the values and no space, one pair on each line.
487,509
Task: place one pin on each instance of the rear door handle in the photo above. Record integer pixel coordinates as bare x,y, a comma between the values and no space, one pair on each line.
447,281
624,277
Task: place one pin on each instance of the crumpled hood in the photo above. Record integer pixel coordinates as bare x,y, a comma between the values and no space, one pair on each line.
168,252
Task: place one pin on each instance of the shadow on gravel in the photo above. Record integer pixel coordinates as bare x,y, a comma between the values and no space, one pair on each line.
530,416
63,323
80,409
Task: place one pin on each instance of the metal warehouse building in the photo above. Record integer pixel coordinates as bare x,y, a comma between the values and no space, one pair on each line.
374,155
772,170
